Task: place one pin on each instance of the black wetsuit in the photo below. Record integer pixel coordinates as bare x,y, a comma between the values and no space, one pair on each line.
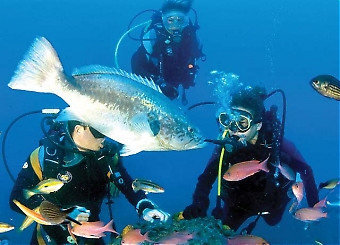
85,184
261,192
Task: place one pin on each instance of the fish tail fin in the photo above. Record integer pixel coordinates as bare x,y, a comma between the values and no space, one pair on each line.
27,193
39,70
108,227
264,165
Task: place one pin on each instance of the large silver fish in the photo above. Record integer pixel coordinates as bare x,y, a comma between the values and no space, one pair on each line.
125,107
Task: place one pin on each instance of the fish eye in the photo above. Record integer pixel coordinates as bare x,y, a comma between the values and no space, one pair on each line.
190,129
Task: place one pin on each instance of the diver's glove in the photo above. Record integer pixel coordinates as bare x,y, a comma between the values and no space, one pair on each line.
150,211
168,90
194,211
80,214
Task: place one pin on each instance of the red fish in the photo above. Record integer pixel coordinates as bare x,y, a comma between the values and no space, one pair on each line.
246,239
134,237
92,229
309,214
180,237
243,170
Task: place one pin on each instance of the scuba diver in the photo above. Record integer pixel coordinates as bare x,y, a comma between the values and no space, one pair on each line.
86,163
249,132
169,49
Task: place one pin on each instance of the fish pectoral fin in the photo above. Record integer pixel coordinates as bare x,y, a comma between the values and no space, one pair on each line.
128,150
68,114
146,124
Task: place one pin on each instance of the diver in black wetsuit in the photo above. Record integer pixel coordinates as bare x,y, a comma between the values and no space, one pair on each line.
169,49
249,133
78,156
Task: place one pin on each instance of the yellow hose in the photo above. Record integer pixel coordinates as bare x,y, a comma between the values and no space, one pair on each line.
220,166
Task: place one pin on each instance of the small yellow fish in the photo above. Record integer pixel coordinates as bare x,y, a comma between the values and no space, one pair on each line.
327,85
147,186
32,214
330,184
246,239
4,227
43,187
28,220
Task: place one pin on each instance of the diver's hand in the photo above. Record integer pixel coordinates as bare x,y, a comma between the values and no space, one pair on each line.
80,214
167,89
194,211
155,214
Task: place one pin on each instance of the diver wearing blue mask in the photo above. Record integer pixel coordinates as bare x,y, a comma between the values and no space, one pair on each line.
169,49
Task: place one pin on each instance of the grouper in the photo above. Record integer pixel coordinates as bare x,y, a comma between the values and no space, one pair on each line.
125,107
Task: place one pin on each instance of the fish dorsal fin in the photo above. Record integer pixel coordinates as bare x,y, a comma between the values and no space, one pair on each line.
99,69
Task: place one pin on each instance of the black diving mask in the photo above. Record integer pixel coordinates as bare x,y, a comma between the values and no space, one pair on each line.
96,133
238,120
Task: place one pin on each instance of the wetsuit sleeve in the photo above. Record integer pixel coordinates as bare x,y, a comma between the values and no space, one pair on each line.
26,179
299,165
126,188
206,180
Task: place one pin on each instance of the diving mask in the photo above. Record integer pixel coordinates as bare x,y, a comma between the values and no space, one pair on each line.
175,21
94,132
238,120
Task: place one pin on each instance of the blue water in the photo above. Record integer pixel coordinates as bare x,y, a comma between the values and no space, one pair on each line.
277,44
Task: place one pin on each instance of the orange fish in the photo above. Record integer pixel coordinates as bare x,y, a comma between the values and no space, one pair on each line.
246,239
309,214
243,170
298,190
133,237
32,214
92,229
180,237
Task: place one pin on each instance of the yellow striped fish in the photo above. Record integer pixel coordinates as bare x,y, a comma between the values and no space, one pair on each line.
327,85
147,186
44,187
4,227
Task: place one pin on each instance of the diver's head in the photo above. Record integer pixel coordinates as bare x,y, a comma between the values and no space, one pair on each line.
245,116
85,137
175,15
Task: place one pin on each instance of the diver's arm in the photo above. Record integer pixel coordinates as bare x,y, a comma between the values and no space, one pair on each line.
26,179
207,179
126,188
299,165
